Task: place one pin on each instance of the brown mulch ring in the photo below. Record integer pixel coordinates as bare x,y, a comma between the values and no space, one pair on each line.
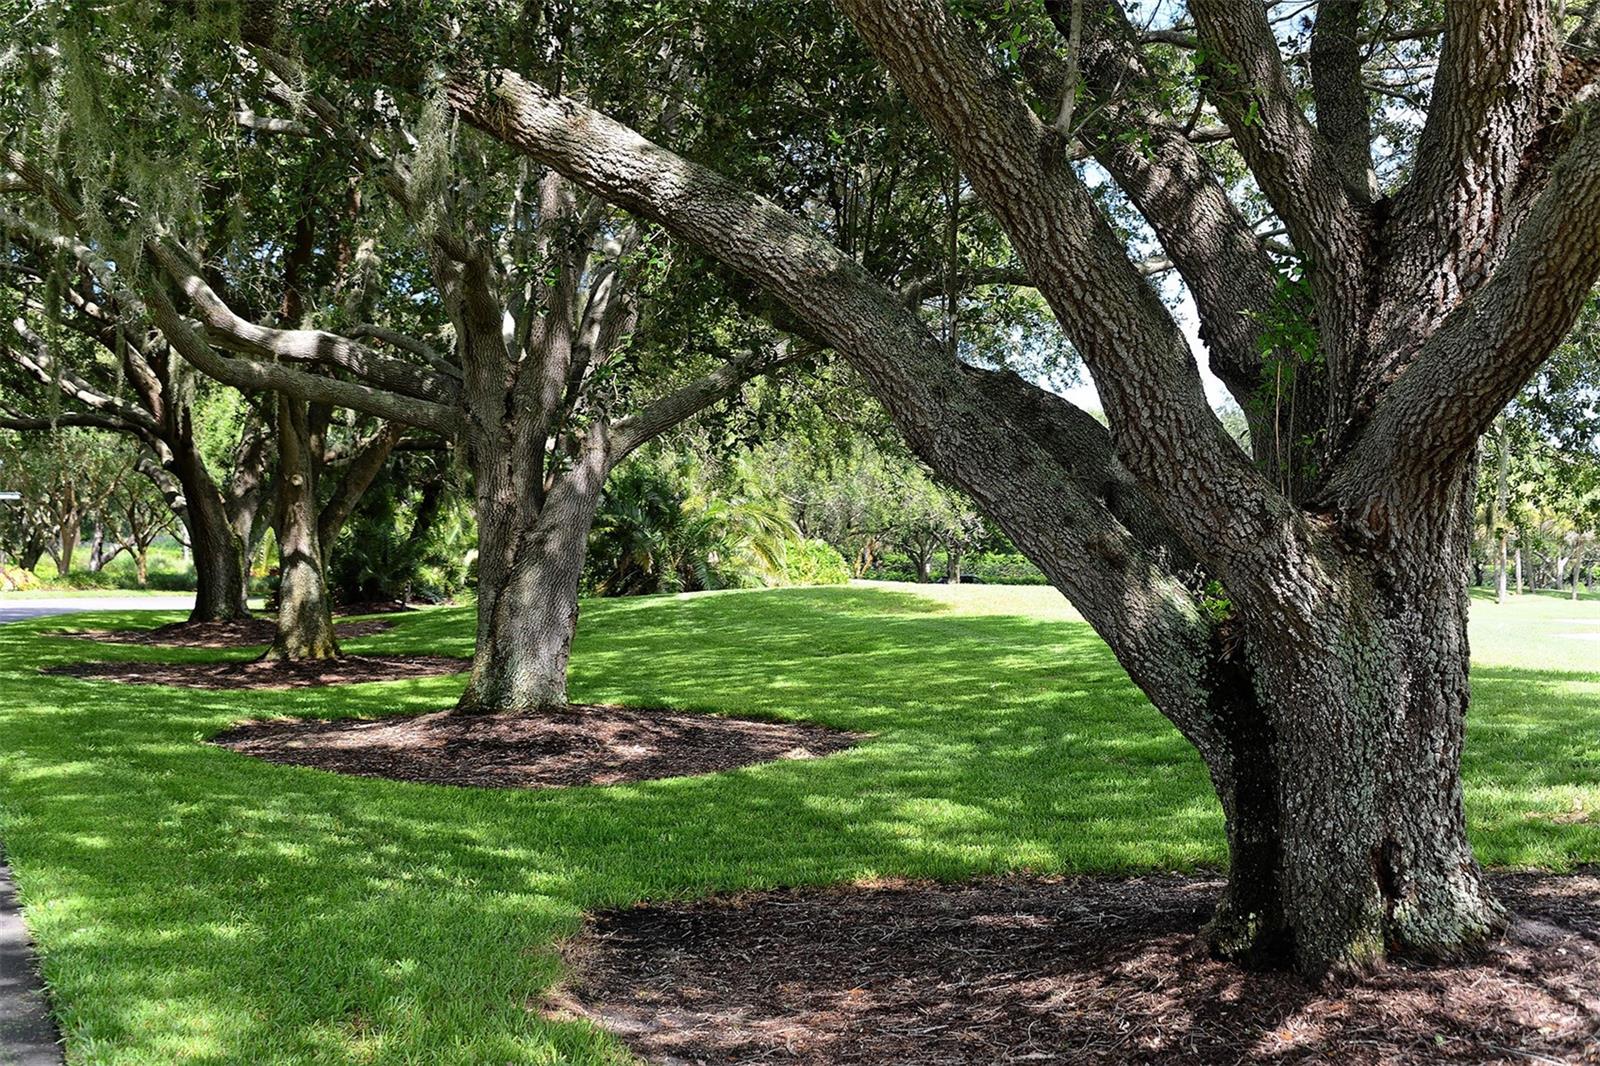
346,670
1053,970
244,633
374,607
584,745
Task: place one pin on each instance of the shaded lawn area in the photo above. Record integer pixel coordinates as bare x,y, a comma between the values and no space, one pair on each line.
195,905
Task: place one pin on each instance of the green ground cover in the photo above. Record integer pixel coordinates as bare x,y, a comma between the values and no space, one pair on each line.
194,905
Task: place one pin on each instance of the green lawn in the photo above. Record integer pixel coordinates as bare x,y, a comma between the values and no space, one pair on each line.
194,905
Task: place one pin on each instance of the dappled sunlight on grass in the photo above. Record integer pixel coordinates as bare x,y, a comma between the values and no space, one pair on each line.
193,903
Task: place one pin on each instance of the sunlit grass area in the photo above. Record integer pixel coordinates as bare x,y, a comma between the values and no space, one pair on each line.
195,905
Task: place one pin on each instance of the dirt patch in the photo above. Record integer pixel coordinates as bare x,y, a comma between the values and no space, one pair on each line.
347,670
584,745
244,633
1083,970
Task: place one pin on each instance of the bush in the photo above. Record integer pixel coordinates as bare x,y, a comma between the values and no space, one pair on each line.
1003,568
407,540
814,562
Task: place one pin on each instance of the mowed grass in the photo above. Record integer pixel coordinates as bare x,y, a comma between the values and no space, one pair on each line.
194,905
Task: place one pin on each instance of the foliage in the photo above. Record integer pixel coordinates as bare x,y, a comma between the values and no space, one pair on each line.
814,562
657,531
1549,442
410,538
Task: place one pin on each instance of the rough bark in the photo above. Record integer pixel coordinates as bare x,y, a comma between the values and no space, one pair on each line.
219,563
528,598
1348,836
305,613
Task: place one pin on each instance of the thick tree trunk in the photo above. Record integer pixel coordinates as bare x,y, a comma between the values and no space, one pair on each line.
528,607
1340,767
141,563
247,487
218,552
67,541
305,615
97,546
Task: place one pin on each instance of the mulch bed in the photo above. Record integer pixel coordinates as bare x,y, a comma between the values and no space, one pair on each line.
346,670
374,607
1050,970
244,633
584,745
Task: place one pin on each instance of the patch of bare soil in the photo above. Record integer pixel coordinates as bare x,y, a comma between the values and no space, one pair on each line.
584,745
244,633
1080,970
346,670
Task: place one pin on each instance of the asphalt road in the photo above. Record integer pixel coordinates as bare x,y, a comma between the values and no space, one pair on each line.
20,609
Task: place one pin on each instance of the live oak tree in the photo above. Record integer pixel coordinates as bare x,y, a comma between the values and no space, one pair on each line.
72,358
504,321
1329,699
65,479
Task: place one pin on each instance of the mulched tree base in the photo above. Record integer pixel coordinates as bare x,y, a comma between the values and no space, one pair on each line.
1081,970
243,633
373,607
583,745
346,670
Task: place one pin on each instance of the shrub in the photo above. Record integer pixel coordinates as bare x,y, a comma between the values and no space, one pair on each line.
814,562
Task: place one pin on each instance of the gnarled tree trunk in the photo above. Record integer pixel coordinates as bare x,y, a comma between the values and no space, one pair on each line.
218,552
530,565
305,614
1342,788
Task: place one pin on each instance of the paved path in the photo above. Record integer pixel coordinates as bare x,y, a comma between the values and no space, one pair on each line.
28,1035
21,608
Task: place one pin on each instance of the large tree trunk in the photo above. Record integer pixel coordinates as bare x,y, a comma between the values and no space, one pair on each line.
33,552
67,545
305,614
1332,713
97,546
218,552
528,603
1341,777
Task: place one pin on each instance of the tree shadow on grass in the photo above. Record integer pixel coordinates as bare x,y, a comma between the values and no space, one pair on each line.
199,905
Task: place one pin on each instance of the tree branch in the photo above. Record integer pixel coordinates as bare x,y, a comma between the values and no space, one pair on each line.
1489,346
681,404
1246,80
1341,95
230,331
251,375
1222,260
